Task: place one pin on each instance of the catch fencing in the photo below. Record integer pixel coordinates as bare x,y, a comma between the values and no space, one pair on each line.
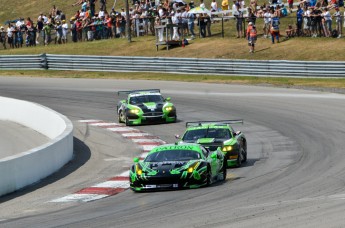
229,67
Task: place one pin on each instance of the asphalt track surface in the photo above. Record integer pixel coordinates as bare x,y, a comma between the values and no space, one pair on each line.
294,176
16,138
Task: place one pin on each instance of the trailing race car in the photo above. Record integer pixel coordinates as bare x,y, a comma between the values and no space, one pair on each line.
177,166
214,134
145,106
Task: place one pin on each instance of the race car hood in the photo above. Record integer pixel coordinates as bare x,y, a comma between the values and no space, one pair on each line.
151,106
167,167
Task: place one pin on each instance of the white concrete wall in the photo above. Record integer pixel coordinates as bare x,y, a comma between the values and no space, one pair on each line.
31,166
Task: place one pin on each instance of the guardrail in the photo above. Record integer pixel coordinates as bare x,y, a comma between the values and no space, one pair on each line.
268,68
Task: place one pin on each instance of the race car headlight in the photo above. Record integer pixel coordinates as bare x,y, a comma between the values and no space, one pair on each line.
226,148
169,108
138,170
134,111
193,167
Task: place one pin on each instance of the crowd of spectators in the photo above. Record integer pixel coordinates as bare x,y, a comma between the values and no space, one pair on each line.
313,18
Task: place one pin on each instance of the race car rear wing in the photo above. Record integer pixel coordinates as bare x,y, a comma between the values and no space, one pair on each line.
216,122
139,90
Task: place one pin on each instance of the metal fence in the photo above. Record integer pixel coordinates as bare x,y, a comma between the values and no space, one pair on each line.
229,67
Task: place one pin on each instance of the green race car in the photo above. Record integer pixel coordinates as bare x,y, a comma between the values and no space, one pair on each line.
177,166
145,106
218,134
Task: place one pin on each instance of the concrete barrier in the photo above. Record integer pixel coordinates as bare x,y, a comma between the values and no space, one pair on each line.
31,166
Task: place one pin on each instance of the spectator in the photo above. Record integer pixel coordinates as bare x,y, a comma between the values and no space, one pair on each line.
160,31
202,4
202,25
214,6
225,5
290,2
64,31
53,11
103,5
251,36
251,16
239,21
313,22
339,21
175,21
10,35
39,29
191,18
267,22
58,28
327,22
306,21
275,28
79,29
290,31
3,37
299,15
208,24
47,33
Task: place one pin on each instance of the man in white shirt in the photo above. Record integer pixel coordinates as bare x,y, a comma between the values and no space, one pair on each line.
267,22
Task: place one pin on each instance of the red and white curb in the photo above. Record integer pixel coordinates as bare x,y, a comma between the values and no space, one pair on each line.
120,182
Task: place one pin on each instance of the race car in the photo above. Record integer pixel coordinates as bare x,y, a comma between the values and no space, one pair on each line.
215,134
145,106
177,166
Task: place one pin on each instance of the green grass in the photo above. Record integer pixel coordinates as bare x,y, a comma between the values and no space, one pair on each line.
284,82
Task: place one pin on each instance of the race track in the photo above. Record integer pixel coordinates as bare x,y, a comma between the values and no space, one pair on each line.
294,176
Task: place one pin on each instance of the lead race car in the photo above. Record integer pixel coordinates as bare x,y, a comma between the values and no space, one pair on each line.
218,134
173,166
145,106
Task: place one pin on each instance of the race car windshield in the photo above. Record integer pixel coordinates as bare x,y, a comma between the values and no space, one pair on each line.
173,155
194,135
145,99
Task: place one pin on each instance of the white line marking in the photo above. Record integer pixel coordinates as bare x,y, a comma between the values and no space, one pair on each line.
112,184
148,147
148,141
79,198
105,124
124,174
120,129
88,121
135,134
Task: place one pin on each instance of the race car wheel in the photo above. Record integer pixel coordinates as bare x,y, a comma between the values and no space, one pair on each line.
239,159
209,176
127,121
244,156
120,117
224,169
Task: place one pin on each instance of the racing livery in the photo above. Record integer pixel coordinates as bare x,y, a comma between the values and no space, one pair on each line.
215,134
145,106
177,166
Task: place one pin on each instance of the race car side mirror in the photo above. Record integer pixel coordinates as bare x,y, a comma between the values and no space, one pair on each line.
136,160
177,137
167,99
238,132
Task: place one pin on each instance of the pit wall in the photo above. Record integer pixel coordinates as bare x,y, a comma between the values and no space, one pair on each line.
28,167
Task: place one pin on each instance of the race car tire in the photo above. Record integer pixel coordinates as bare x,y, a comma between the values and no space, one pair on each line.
225,164
244,156
209,177
239,159
120,117
127,121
